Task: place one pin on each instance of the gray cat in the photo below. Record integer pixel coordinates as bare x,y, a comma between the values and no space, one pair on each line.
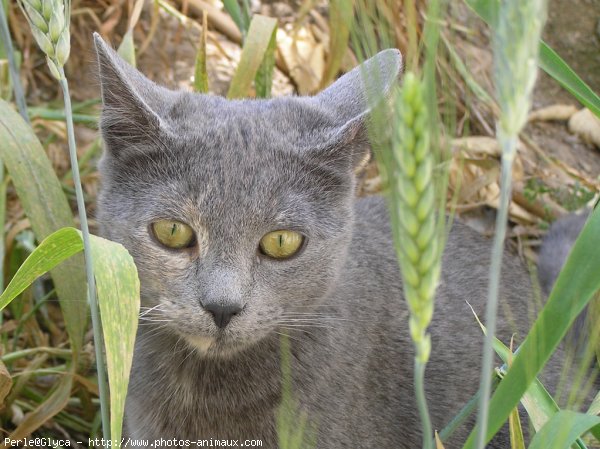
555,249
242,219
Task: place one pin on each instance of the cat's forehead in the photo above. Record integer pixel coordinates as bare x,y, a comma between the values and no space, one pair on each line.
289,120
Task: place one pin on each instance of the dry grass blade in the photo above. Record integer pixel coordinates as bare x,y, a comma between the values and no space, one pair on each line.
438,442
217,18
47,208
5,382
50,406
256,46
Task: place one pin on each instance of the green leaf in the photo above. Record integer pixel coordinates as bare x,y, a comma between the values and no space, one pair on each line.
563,430
263,82
538,403
549,60
118,290
127,48
574,288
516,432
255,47
200,73
558,69
233,9
595,405
53,250
119,299
47,208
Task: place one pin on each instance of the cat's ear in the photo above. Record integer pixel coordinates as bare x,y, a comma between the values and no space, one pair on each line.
131,102
351,99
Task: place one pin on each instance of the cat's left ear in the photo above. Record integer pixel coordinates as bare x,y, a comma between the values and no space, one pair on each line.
351,99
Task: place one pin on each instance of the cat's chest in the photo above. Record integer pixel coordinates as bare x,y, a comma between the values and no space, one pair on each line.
193,398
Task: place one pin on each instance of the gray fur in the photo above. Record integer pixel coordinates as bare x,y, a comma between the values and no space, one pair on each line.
555,249
233,171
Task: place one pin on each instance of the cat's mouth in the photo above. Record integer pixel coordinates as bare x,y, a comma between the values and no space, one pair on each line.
221,344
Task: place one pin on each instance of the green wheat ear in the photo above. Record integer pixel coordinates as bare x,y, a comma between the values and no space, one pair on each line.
49,22
416,240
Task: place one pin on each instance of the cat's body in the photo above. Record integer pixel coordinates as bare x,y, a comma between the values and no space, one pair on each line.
232,172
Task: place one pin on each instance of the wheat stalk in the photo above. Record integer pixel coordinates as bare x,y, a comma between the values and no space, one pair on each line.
515,44
49,21
416,238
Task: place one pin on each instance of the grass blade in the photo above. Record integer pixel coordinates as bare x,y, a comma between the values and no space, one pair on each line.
49,406
263,82
563,430
127,48
558,69
516,432
255,47
119,300
575,286
53,250
5,382
46,206
549,60
594,408
341,14
118,296
200,73
233,9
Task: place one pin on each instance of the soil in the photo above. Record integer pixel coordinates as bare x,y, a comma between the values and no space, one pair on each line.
573,31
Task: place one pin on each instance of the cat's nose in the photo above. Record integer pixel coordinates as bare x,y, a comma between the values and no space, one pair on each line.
222,313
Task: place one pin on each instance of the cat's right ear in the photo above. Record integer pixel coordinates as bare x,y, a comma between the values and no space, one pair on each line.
131,104
350,101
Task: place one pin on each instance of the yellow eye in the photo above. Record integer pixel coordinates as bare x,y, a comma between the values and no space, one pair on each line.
281,244
173,234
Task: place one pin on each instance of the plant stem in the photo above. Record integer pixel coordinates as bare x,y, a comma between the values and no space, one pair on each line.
508,144
422,404
61,353
96,322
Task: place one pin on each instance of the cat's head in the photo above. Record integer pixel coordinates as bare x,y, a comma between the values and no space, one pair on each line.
238,213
